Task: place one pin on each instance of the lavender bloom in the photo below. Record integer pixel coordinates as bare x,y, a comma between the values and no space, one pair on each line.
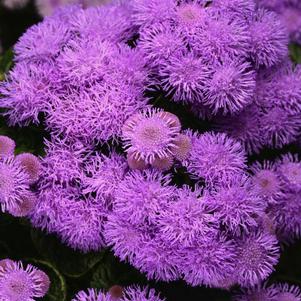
25,205
266,181
130,294
258,253
147,12
287,292
183,77
159,42
81,225
182,147
18,283
258,292
31,164
104,175
269,39
215,157
244,127
290,170
222,38
236,7
230,87
150,134
186,219
7,146
14,183
208,262
236,206
15,4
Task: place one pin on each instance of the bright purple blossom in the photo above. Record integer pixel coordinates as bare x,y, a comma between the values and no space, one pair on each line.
7,146
269,39
18,283
31,164
215,157
258,253
287,292
230,87
25,205
183,77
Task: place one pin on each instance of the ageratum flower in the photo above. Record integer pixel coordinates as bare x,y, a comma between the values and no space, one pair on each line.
266,181
215,157
104,174
150,134
129,294
244,127
186,219
7,146
31,164
18,283
258,253
209,261
237,8
287,292
269,39
235,205
14,183
183,77
231,86
25,205
15,4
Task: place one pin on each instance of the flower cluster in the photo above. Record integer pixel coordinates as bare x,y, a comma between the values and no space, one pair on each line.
19,283
128,294
121,172
17,175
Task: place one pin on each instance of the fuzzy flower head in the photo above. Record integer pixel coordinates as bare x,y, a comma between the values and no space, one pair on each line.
215,157
7,146
208,262
150,134
290,170
266,180
258,253
230,87
257,293
14,183
31,164
15,4
235,7
25,205
182,147
269,39
186,220
92,295
183,77
244,127
235,205
286,292
18,283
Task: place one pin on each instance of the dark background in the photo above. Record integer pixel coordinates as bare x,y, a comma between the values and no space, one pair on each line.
72,271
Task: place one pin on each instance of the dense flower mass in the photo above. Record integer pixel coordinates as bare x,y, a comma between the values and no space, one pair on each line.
154,110
19,283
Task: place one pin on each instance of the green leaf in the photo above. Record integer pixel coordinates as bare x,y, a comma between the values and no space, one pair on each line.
295,52
6,62
71,263
58,288
113,272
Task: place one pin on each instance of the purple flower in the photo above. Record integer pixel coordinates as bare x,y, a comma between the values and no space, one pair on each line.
258,292
130,294
150,134
31,164
266,181
18,283
287,292
290,170
25,205
236,7
182,147
230,87
104,175
7,146
269,39
208,262
279,127
258,253
159,42
215,157
235,205
14,183
81,225
147,12
183,77
186,219
244,127
222,38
